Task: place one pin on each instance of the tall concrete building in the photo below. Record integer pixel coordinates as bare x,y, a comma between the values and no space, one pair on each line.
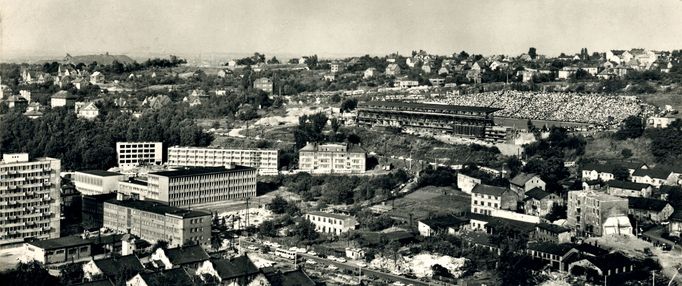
202,186
263,159
133,154
153,221
332,158
29,198
95,182
589,211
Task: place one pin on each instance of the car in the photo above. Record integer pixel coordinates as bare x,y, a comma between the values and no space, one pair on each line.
252,247
332,267
361,264
341,259
311,262
332,258
313,253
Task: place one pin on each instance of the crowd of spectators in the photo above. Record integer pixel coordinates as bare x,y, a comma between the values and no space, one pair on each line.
598,109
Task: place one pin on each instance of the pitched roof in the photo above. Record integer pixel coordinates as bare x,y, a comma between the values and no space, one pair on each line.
186,255
240,266
627,185
676,216
442,222
553,228
601,168
161,278
103,282
610,261
658,173
648,204
489,190
537,193
551,248
522,178
296,278
111,266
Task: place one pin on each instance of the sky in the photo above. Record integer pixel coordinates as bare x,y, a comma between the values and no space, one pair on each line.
328,28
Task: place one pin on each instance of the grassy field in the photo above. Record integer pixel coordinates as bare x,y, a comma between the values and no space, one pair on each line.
605,147
662,99
431,201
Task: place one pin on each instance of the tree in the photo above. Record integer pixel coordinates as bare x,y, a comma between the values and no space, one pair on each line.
31,273
274,60
441,271
633,127
71,274
305,230
349,104
532,52
626,153
267,228
278,205
621,173
556,212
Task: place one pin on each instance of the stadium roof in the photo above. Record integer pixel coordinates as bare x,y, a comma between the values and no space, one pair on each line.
431,106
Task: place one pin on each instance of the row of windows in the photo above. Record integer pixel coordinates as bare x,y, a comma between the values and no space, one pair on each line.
477,195
325,220
495,205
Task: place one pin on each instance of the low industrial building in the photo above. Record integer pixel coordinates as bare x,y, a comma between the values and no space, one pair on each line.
331,223
96,182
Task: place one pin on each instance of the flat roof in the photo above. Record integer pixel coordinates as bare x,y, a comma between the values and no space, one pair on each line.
61,242
431,106
332,215
194,171
158,208
100,173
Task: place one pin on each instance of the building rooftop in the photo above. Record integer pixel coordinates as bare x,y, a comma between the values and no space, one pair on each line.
240,266
648,204
522,178
489,190
186,255
442,222
111,266
198,171
537,193
627,185
100,173
136,182
553,228
332,215
158,208
658,173
178,275
61,242
441,107
551,248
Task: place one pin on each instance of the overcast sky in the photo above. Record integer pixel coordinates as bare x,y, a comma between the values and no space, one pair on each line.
301,27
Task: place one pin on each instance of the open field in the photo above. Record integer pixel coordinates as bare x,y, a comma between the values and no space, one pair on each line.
605,147
431,201
663,99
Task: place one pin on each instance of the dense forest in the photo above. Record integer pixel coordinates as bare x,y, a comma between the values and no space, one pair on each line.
83,144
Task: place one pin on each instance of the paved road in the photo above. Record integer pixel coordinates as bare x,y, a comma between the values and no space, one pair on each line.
655,234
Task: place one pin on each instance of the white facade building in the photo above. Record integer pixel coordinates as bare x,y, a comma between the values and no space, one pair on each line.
331,158
133,154
96,182
331,222
262,159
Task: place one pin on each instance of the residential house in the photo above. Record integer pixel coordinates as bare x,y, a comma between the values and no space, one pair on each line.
551,233
406,83
628,189
443,71
654,176
88,111
392,70
369,73
16,102
239,270
538,202
331,222
524,182
187,257
223,73
426,68
336,67
97,78
264,84
437,81
486,198
474,76
675,226
179,276
296,277
448,224
110,267
63,99
649,210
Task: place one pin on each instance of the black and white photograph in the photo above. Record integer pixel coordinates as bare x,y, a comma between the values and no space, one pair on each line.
351,142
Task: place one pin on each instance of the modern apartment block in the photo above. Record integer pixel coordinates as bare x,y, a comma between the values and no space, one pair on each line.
153,221
96,182
331,222
29,198
263,159
588,211
202,186
133,154
332,159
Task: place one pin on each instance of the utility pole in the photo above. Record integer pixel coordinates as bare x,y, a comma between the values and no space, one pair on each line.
247,213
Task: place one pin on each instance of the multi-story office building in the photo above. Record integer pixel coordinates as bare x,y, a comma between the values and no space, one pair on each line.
29,198
588,211
264,160
95,182
133,154
331,158
136,189
202,186
153,221
331,222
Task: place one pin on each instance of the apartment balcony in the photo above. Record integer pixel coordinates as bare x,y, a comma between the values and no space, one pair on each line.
48,169
46,228
12,172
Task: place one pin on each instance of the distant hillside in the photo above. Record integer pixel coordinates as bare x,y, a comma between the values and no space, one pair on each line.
102,59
